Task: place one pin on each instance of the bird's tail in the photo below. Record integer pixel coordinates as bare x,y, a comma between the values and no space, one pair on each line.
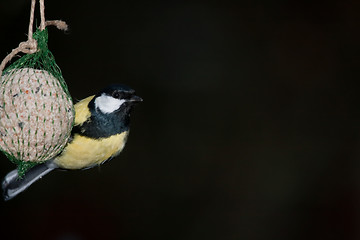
12,185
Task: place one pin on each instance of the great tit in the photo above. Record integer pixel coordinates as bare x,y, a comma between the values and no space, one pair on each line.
100,132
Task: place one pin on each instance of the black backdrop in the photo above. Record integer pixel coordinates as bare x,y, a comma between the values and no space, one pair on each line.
249,127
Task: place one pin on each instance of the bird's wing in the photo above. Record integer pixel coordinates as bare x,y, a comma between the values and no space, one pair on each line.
82,112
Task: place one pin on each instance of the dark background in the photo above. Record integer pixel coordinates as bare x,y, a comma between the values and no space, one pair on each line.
249,127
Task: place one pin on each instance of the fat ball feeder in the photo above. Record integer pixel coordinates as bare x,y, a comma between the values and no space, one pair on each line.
36,109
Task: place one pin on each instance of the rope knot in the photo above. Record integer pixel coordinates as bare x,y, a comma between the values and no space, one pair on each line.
29,47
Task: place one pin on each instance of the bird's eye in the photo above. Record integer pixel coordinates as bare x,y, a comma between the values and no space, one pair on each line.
116,95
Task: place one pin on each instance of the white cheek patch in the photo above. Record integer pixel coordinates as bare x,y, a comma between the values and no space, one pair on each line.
108,104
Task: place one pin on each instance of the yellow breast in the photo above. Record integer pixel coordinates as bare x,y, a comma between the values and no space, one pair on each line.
85,152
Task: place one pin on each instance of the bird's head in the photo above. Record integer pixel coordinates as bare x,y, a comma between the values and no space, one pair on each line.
115,98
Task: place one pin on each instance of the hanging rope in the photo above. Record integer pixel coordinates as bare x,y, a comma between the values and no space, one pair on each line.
30,46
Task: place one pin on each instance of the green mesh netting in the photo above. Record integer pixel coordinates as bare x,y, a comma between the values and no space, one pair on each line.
36,109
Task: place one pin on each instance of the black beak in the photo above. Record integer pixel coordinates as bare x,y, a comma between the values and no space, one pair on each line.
135,99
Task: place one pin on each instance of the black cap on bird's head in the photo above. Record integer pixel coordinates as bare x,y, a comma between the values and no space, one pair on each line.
114,98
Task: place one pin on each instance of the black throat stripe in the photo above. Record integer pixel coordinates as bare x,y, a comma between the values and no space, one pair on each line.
101,125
